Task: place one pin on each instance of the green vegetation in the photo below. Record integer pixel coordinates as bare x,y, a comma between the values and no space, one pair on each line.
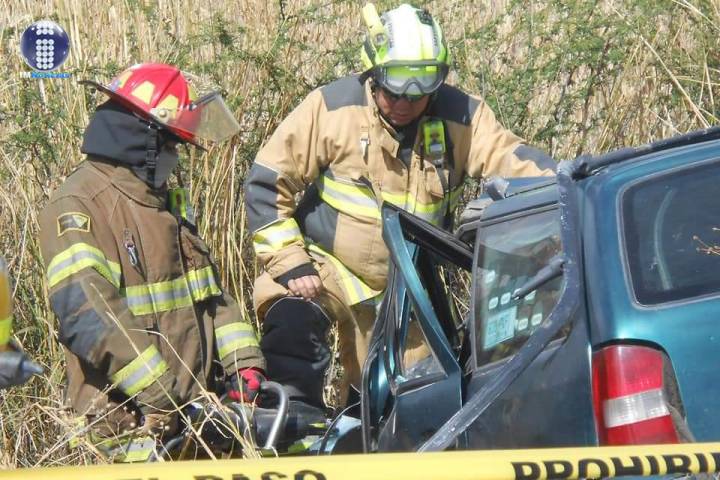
571,76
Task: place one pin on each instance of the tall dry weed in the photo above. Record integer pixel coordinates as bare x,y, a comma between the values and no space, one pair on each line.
571,76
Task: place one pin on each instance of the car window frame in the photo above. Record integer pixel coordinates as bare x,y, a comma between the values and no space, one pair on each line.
472,330
620,199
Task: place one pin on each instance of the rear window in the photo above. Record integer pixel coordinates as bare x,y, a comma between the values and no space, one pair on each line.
671,227
508,255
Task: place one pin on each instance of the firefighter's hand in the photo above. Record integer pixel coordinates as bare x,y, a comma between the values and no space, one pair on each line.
307,287
251,379
161,424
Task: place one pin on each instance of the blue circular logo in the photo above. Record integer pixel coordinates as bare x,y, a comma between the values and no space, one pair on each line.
45,45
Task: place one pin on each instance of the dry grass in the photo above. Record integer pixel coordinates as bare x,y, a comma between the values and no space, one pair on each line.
571,76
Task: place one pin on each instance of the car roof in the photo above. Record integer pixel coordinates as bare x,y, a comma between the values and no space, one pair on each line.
522,194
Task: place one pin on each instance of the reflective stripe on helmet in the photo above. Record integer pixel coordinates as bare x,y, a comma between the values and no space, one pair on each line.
276,236
78,257
137,375
234,336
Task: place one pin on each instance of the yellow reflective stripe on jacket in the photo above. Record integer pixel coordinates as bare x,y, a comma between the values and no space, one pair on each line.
122,448
234,336
78,257
355,290
203,284
276,236
358,200
431,212
141,372
138,450
349,198
5,330
195,286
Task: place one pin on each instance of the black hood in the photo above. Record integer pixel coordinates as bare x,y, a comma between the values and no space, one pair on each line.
118,135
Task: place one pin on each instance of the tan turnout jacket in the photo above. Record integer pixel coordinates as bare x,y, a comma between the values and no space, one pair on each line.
136,293
337,154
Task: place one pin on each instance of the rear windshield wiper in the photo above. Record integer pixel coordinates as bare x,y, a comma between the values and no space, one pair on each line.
549,272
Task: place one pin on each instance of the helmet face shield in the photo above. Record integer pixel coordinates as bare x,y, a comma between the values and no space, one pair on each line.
411,80
207,118
169,97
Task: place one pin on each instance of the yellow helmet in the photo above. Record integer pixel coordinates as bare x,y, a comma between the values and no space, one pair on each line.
404,50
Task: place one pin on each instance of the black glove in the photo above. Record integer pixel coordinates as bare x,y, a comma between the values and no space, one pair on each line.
16,368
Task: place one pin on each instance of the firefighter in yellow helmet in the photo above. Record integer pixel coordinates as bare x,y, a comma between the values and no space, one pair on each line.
395,133
15,366
144,320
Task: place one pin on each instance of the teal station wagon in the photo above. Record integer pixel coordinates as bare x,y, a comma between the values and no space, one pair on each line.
593,318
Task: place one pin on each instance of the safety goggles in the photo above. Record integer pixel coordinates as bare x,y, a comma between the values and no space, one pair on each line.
411,79
394,97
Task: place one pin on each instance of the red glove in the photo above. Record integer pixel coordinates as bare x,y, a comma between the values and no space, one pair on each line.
251,379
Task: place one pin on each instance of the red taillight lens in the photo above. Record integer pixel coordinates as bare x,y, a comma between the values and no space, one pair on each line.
629,398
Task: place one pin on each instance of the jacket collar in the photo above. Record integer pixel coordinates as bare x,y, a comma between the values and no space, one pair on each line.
388,140
122,178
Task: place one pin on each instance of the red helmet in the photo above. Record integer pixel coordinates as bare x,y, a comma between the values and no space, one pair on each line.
166,96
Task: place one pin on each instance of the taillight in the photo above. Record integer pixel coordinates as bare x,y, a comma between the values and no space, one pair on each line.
629,397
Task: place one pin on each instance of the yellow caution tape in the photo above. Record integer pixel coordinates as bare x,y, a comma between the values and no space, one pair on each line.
554,463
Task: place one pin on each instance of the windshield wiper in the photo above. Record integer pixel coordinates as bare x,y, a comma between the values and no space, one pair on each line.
549,272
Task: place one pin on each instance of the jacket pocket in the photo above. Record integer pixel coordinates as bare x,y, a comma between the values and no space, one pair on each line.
433,184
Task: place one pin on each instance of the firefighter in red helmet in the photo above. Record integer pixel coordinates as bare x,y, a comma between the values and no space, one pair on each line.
145,323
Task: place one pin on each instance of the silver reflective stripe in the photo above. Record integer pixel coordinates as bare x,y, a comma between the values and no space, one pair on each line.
350,198
199,283
143,371
355,289
234,336
78,257
157,301
276,236
358,198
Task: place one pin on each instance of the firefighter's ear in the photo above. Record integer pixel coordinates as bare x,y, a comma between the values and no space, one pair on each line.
73,221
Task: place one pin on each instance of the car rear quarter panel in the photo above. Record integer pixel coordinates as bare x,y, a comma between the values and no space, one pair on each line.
687,331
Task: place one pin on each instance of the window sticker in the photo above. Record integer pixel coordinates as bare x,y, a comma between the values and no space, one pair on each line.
522,323
530,297
500,327
536,319
490,277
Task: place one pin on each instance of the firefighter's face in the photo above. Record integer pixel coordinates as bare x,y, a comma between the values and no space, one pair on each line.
400,110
